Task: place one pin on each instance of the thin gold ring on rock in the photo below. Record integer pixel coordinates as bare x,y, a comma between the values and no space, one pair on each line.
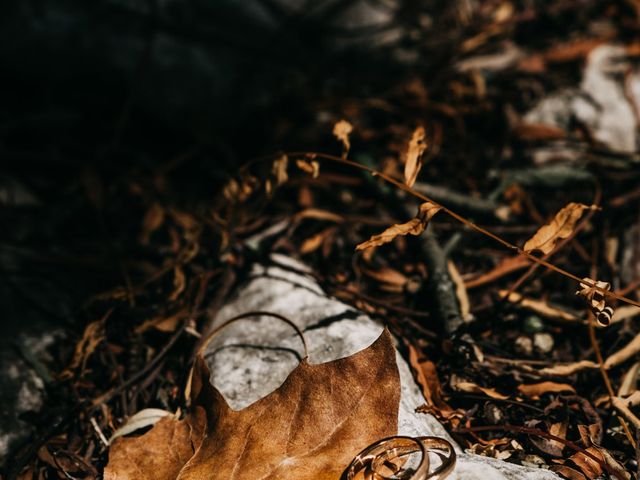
380,454
386,448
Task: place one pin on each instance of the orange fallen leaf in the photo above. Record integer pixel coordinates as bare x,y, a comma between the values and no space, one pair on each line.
568,472
179,283
159,454
471,387
279,170
309,428
540,307
505,267
314,242
560,227
534,390
588,465
311,167
341,131
538,132
594,296
391,280
93,335
550,446
567,368
413,162
424,371
415,226
152,220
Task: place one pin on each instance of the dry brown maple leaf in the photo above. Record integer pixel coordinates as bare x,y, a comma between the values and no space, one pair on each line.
415,226
560,227
413,162
309,428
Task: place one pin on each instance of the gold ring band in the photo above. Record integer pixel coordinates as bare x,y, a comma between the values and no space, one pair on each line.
388,448
378,454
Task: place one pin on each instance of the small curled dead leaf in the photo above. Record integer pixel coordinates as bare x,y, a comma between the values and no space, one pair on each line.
415,150
311,167
415,226
592,291
341,130
279,170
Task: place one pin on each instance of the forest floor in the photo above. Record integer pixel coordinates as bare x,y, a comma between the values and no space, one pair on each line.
498,124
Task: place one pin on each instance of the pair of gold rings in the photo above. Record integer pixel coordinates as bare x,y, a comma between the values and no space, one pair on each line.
384,459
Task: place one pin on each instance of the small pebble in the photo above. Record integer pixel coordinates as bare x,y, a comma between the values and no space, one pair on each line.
533,324
543,342
524,345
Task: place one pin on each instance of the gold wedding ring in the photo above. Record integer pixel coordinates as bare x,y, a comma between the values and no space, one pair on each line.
380,455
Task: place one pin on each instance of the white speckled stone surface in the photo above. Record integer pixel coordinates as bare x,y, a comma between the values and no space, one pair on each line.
251,358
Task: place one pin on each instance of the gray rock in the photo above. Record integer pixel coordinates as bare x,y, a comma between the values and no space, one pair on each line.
250,359
600,103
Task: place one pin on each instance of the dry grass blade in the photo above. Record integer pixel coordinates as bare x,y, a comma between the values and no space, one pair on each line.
413,162
626,352
415,226
560,227
540,307
567,368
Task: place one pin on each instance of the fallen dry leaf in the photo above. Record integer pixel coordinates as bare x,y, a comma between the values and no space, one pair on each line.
413,161
568,472
461,292
588,465
179,283
559,228
538,132
622,355
471,387
536,389
415,226
311,167
159,454
152,220
594,296
314,242
624,312
163,323
540,307
309,428
94,333
390,279
318,214
279,170
341,131
505,267
550,446
567,368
